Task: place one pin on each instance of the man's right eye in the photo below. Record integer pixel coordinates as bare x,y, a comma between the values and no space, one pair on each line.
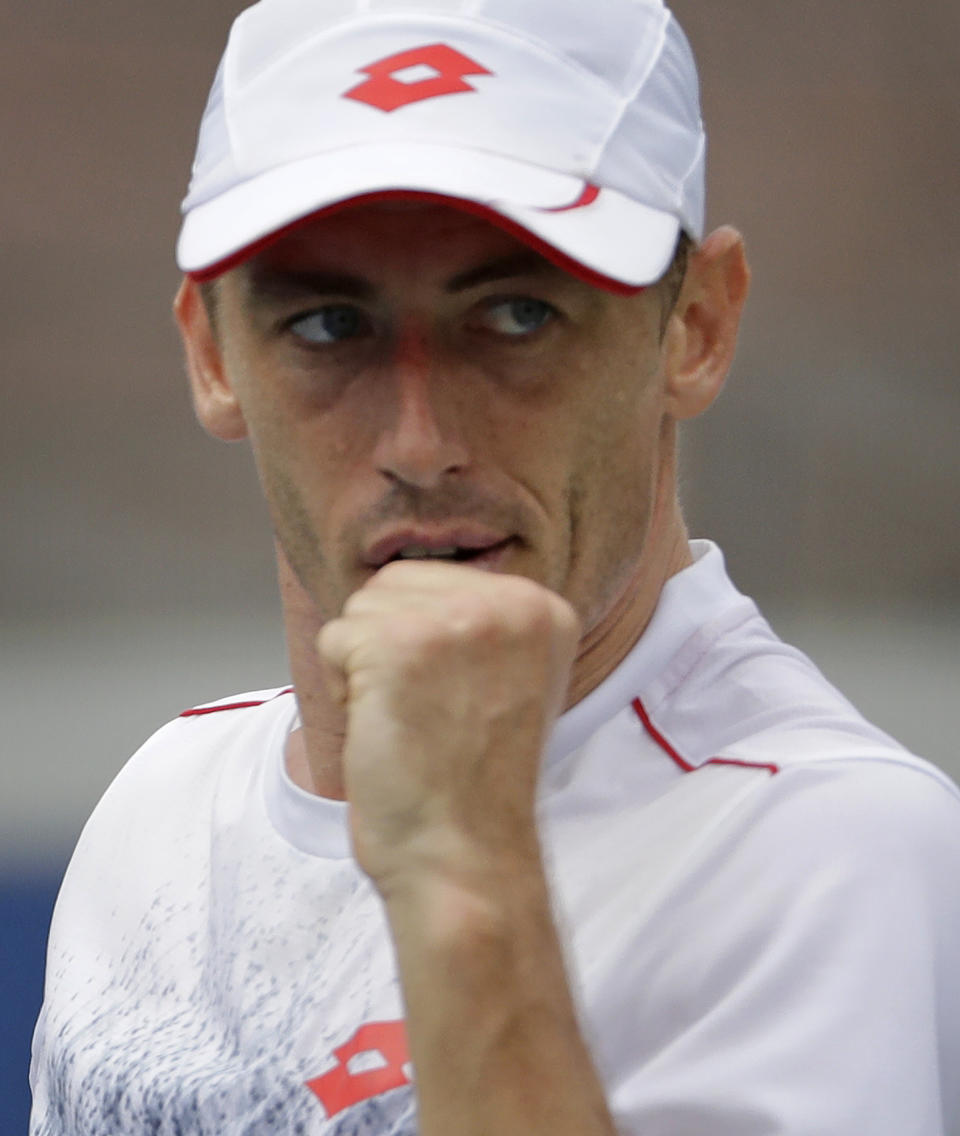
331,324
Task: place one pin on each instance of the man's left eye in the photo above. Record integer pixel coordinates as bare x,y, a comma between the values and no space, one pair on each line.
518,317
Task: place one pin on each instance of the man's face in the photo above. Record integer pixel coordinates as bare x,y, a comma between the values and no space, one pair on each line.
415,381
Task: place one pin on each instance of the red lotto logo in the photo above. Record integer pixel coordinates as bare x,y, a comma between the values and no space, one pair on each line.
356,1077
388,89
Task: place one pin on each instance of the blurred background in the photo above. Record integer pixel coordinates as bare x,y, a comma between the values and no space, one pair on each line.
135,565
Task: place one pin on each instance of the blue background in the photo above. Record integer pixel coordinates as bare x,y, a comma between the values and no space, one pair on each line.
25,908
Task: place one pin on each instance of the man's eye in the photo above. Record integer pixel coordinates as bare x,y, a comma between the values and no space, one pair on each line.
331,324
518,317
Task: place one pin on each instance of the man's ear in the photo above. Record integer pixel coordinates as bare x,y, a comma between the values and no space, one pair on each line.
701,336
214,401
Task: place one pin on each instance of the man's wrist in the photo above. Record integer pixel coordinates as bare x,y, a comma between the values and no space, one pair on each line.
450,860
465,893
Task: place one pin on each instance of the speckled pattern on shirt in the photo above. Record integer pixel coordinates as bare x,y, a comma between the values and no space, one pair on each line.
207,978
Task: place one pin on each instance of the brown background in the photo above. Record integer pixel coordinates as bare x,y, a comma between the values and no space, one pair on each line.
135,566
832,465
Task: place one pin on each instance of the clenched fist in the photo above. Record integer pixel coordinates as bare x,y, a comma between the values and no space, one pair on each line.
451,678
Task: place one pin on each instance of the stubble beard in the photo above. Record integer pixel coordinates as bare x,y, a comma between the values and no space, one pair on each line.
297,538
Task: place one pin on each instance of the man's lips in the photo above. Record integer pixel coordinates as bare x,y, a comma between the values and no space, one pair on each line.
469,542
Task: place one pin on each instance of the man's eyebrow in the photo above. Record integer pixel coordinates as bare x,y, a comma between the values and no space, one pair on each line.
505,267
266,284
278,285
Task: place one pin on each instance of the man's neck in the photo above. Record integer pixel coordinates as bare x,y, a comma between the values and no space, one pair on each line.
604,647
314,750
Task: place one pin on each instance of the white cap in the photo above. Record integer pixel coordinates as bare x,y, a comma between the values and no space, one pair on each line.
573,123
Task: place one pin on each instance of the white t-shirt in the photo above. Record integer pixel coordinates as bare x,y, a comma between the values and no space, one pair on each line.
758,895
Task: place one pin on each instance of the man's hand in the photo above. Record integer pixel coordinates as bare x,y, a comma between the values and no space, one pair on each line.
451,678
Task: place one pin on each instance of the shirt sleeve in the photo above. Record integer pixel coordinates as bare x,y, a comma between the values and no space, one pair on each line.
811,974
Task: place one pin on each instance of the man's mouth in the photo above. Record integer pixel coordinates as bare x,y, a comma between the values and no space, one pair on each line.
452,554
456,547
420,552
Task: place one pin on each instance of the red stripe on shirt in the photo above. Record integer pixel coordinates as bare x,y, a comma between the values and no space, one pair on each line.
199,711
687,766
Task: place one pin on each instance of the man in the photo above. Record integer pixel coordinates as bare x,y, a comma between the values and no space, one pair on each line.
550,834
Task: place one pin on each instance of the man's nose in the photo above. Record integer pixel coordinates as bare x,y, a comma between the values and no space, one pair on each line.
420,440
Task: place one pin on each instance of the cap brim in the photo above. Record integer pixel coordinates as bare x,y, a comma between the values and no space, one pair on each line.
600,235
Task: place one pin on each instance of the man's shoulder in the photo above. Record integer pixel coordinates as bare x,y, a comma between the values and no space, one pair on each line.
810,796
198,727
743,693
805,776
736,695
200,764
199,743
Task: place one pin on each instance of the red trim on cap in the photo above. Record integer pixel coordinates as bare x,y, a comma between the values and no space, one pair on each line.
200,711
685,765
588,197
547,251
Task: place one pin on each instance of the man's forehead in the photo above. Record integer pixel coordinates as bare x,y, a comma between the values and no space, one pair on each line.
357,246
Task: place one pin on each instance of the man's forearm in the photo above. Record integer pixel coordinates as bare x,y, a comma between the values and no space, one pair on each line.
494,1039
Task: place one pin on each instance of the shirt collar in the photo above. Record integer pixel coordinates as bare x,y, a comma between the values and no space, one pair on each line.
690,603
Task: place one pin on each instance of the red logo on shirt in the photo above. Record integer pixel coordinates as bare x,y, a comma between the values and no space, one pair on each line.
386,91
353,1080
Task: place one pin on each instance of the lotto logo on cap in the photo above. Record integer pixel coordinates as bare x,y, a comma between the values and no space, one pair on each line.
390,86
576,125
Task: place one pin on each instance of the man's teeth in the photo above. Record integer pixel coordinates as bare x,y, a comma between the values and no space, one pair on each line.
418,552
